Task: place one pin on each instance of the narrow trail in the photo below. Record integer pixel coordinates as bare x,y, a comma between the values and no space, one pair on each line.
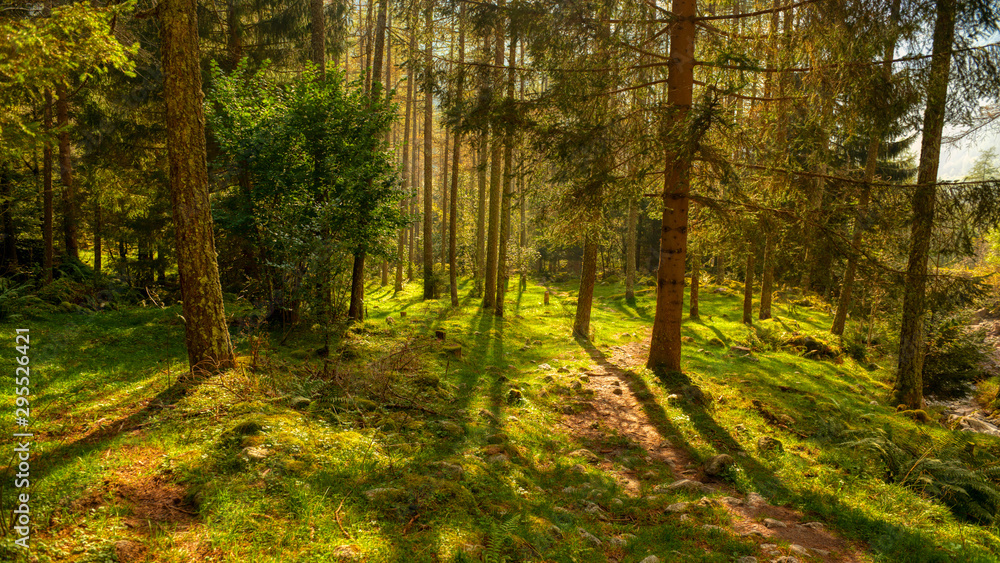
614,408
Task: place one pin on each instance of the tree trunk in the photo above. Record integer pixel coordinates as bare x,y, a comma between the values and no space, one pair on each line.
695,273
720,268
206,333
317,29
445,187
234,34
429,289
767,278
414,176
356,311
98,236
47,191
585,298
401,242
908,389
7,218
379,57
630,234
748,288
456,156
69,204
503,271
481,211
496,179
665,342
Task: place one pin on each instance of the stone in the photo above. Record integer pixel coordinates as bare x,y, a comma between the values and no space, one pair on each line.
299,403
769,548
544,367
772,523
683,485
820,552
617,542
617,502
688,339
586,454
813,525
754,500
568,490
255,453
694,394
499,459
713,528
473,550
753,533
786,559
577,468
382,493
617,391
390,321
450,471
678,507
563,369
514,397
589,538
651,559
747,559
450,427
731,501
767,444
349,552
576,385
718,465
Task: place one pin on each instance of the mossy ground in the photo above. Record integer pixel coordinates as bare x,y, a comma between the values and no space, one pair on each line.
404,451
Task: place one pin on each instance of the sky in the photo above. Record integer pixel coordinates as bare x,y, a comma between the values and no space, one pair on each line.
958,158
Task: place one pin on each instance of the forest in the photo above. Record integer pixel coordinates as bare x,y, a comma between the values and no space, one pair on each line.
616,281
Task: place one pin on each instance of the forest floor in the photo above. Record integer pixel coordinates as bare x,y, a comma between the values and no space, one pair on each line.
433,433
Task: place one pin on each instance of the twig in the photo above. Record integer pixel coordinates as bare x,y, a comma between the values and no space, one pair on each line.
336,514
406,528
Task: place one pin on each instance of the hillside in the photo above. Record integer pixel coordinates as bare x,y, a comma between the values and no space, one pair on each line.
429,433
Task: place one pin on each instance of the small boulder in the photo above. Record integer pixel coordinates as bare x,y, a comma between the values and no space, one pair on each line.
651,559
767,443
772,523
590,538
299,403
678,507
718,465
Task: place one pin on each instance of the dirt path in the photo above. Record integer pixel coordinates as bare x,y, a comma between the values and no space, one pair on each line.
614,407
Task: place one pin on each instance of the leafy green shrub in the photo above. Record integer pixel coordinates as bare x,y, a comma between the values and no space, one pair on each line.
955,357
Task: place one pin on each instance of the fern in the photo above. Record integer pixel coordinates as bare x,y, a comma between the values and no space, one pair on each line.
499,536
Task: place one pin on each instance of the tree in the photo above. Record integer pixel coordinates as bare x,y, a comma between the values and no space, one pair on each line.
206,332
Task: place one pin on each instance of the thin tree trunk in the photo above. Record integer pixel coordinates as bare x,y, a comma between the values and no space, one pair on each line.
720,268
69,204
356,311
317,28
908,389
496,179
98,236
695,275
429,289
7,218
456,157
630,234
665,342
767,278
47,191
414,176
206,333
481,163
748,288
588,276
445,187
503,272
407,171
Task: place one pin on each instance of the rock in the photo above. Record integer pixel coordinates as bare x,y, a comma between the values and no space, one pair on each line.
820,552
390,321
683,485
497,438
548,379
586,454
545,367
514,397
589,538
255,453
772,523
563,369
813,525
651,559
499,459
678,507
585,378
617,502
577,468
349,552
767,443
555,530
595,510
747,559
688,339
299,403
617,391
450,427
473,550
489,416
685,517
731,501
713,528
382,493
568,490
754,500
754,533
786,559
450,471
718,465
769,548
617,542
576,385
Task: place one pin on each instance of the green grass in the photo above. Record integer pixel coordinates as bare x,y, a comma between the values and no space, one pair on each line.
228,471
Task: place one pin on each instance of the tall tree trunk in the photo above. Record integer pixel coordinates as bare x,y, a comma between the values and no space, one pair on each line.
7,218
206,333
665,342
380,22
481,162
456,157
234,35
429,289
47,191
414,176
407,171
503,271
445,187
908,389
720,268
588,276
767,277
748,288
317,30
98,236
630,234
356,311
695,275
69,204
496,179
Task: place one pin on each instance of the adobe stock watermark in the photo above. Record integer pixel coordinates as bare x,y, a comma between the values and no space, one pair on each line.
22,416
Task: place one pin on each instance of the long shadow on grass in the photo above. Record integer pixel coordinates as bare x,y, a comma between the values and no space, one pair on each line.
891,540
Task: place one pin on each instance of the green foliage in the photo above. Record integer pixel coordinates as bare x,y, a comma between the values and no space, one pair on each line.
955,357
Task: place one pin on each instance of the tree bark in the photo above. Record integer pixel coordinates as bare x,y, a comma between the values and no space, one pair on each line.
767,277
7,218
206,333
482,161
98,236
496,179
695,274
429,289
908,389
407,172
630,234
665,342
47,191
588,276
356,311
69,204
456,157
748,288
720,268
503,270
317,30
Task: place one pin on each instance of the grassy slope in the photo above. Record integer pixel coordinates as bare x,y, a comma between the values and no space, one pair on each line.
128,461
